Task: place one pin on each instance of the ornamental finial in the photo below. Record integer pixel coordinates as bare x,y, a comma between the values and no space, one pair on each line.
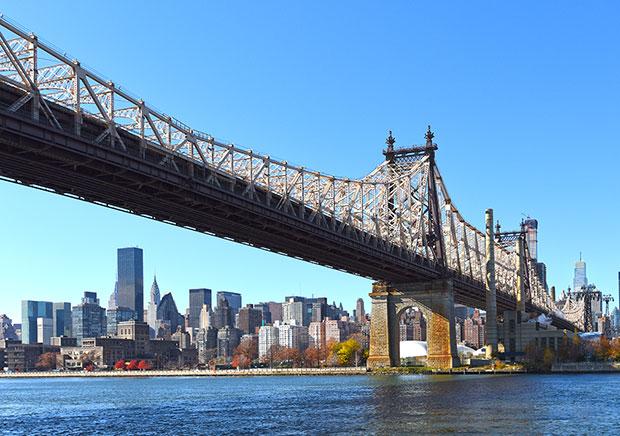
429,136
390,141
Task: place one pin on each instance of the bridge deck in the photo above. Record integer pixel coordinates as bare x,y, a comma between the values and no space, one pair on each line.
145,181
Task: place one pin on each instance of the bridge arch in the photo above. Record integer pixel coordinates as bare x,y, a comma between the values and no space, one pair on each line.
413,321
436,300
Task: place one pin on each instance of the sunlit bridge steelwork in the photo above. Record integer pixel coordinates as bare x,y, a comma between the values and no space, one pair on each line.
70,131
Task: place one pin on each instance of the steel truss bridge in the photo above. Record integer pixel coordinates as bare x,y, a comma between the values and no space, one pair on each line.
66,129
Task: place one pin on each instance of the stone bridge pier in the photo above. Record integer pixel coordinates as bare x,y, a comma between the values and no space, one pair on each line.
436,301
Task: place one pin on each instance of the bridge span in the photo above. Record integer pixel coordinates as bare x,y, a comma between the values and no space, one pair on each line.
69,131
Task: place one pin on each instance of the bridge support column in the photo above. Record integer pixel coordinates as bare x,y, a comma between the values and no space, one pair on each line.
383,346
491,293
435,299
520,275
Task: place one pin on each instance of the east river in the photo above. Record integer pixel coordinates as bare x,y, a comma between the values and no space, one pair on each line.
515,404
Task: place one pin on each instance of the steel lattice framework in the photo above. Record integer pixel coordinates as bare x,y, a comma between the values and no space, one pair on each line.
402,206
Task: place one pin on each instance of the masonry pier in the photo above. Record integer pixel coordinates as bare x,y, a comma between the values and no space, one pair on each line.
436,301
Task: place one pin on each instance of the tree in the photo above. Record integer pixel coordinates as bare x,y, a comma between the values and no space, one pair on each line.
133,365
577,349
548,358
88,358
120,364
46,361
270,356
290,357
144,365
244,355
602,349
313,356
533,358
344,353
240,361
614,351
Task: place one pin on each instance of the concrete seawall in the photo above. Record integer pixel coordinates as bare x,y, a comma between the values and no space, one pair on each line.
193,373
585,367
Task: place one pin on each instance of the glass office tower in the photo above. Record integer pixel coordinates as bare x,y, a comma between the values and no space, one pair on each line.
31,310
198,297
130,280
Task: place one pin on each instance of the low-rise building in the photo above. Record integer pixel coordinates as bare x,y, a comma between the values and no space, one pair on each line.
24,357
137,331
520,329
102,352
4,344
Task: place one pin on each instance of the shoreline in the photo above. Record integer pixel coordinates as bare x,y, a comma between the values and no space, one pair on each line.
191,373
270,372
258,372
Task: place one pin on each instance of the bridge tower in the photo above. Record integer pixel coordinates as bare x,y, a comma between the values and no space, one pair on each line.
434,297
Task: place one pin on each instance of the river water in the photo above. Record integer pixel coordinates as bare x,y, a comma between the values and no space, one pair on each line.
506,404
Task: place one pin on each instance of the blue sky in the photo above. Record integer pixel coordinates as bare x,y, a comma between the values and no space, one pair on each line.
523,99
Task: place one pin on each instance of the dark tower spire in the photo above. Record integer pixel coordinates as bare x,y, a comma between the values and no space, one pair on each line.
390,141
429,136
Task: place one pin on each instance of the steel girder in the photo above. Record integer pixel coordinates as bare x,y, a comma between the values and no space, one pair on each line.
387,212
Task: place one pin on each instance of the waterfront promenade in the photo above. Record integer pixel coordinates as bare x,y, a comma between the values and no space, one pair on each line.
253,372
193,373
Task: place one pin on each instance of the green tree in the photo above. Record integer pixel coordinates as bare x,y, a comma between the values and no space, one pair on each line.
344,353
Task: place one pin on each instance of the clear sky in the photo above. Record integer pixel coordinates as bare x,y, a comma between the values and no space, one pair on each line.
523,97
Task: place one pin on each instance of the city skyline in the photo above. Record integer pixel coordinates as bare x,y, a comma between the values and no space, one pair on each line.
179,296
469,141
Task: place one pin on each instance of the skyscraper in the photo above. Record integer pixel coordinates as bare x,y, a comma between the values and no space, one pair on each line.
249,319
116,316
205,317
580,279
530,226
168,313
88,318
198,298
151,310
44,330
130,280
275,309
359,310
31,310
61,319
7,331
222,315
233,298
